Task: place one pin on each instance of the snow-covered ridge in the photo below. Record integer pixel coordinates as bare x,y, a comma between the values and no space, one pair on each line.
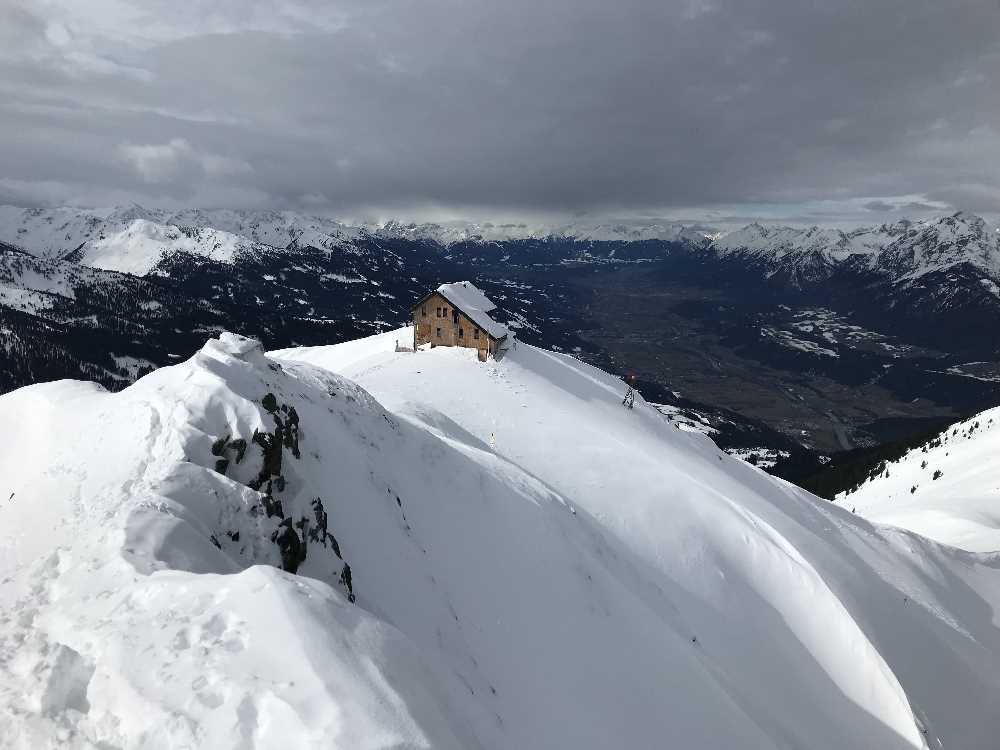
534,565
781,240
903,251
138,246
452,233
133,239
53,231
534,576
125,606
947,489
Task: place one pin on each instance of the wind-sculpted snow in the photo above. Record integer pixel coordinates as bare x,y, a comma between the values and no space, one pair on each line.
141,602
534,566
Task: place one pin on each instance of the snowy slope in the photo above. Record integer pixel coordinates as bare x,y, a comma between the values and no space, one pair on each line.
48,232
138,246
535,567
536,598
135,239
123,624
272,228
961,505
779,241
936,246
820,628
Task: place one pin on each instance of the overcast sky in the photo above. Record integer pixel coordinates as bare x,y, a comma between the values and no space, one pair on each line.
803,110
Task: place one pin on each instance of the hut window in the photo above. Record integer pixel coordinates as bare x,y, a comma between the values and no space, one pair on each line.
437,312
423,311
461,333
439,333
475,334
454,315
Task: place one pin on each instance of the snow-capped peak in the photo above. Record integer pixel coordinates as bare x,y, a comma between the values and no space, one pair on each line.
926,247
901,252
134,239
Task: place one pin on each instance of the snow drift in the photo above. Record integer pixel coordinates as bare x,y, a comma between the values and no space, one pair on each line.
534,566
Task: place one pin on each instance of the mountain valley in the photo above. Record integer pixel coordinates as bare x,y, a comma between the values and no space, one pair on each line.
807,342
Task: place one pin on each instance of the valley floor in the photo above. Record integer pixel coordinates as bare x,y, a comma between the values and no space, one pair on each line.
805,372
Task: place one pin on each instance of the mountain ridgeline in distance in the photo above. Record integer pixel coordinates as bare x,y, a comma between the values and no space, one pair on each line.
778,339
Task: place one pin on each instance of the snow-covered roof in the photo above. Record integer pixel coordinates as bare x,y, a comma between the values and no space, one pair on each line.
468,298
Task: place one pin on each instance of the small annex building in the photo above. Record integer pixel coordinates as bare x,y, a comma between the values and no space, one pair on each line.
457,315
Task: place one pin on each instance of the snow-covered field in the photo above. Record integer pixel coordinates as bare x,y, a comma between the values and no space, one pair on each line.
534,567
789,340
838,331
947,489
685,419
760,456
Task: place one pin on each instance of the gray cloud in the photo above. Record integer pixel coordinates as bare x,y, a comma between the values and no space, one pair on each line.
756,107
879,206
177,161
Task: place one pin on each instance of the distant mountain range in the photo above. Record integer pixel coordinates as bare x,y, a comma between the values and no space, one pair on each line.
135,239
923,266
915,305
952,261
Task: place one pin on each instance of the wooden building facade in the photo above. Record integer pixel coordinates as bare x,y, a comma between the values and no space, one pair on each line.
457,315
